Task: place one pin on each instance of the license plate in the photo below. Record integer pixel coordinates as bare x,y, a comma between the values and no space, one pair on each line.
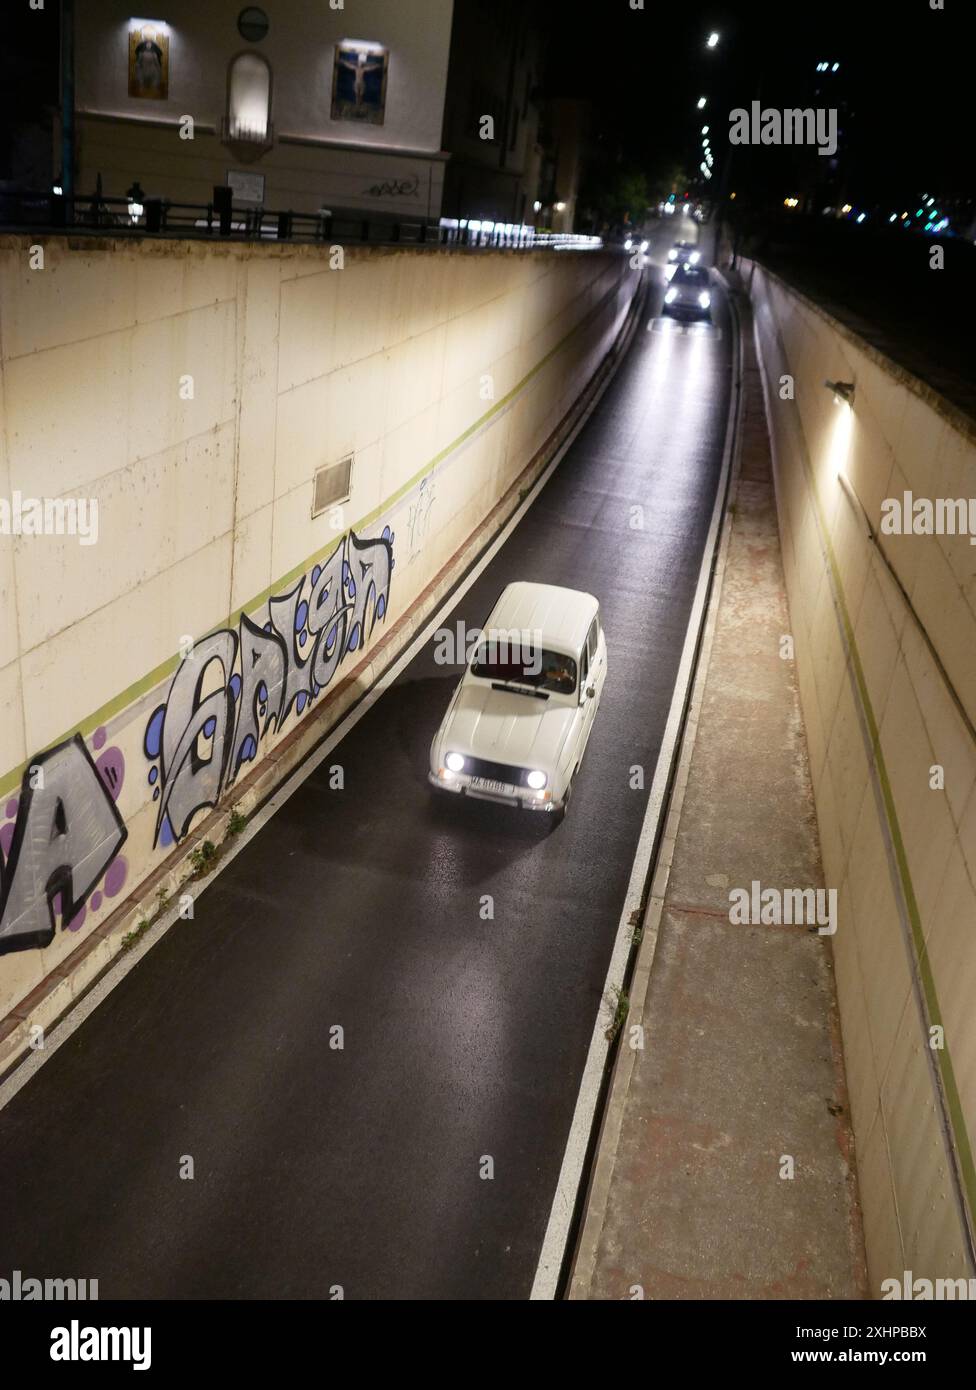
483,784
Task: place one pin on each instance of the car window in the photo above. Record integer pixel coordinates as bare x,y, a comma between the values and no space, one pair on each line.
593,638
690,275
540,669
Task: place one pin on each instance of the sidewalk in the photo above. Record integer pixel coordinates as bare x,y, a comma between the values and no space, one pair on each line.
741,1066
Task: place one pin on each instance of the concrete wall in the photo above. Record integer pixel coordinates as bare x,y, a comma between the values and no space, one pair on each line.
885,636
316,162
192,390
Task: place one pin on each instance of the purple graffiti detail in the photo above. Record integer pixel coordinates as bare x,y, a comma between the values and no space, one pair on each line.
78,920
11,807
115,877
6,838
111,769
95,901
99,737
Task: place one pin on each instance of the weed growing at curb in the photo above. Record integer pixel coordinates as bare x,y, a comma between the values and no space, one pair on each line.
621,1007
131,938
204,858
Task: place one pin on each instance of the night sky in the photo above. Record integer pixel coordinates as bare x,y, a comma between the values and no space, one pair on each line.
905,70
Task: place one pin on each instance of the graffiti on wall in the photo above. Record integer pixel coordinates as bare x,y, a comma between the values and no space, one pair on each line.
60,842
60,838
236,687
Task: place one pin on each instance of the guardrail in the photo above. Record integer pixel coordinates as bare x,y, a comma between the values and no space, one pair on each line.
24,210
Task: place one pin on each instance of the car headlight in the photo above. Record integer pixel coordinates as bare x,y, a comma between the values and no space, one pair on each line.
695,257
537,780
628,244
454,762
644,245
672,254
671,296
704,299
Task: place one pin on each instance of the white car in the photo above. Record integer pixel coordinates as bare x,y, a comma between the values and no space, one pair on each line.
518,724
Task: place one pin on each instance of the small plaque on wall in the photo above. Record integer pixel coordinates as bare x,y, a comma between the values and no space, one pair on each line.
246,188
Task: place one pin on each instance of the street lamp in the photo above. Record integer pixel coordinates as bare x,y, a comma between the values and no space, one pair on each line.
135,198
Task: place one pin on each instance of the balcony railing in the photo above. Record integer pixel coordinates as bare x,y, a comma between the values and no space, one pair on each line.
31,211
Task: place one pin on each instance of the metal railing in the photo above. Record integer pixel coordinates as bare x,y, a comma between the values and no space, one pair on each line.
29,211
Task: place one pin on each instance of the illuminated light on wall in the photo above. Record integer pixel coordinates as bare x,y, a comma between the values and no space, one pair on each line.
843,391
363,45
249,97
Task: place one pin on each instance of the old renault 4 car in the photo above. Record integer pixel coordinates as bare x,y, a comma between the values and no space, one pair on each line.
518,724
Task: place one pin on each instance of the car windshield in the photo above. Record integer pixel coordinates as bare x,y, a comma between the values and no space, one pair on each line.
513,665
690,275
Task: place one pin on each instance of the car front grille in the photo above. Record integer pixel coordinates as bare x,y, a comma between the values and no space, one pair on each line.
496,772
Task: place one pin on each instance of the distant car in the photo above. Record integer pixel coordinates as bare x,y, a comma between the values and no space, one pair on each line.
684,253
688,295
521,716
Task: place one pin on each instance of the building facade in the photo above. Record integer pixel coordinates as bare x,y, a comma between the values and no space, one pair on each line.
493,111
305,105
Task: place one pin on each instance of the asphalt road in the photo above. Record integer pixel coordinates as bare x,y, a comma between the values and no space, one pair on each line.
463,1037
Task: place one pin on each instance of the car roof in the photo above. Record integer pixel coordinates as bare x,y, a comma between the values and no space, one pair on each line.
562,616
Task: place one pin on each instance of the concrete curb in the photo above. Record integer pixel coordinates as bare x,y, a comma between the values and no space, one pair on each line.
81,971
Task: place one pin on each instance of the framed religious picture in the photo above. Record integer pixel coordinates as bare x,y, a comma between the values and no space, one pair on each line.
359,83
148,60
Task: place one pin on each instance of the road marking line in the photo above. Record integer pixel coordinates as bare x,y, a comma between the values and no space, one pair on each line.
561,1216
